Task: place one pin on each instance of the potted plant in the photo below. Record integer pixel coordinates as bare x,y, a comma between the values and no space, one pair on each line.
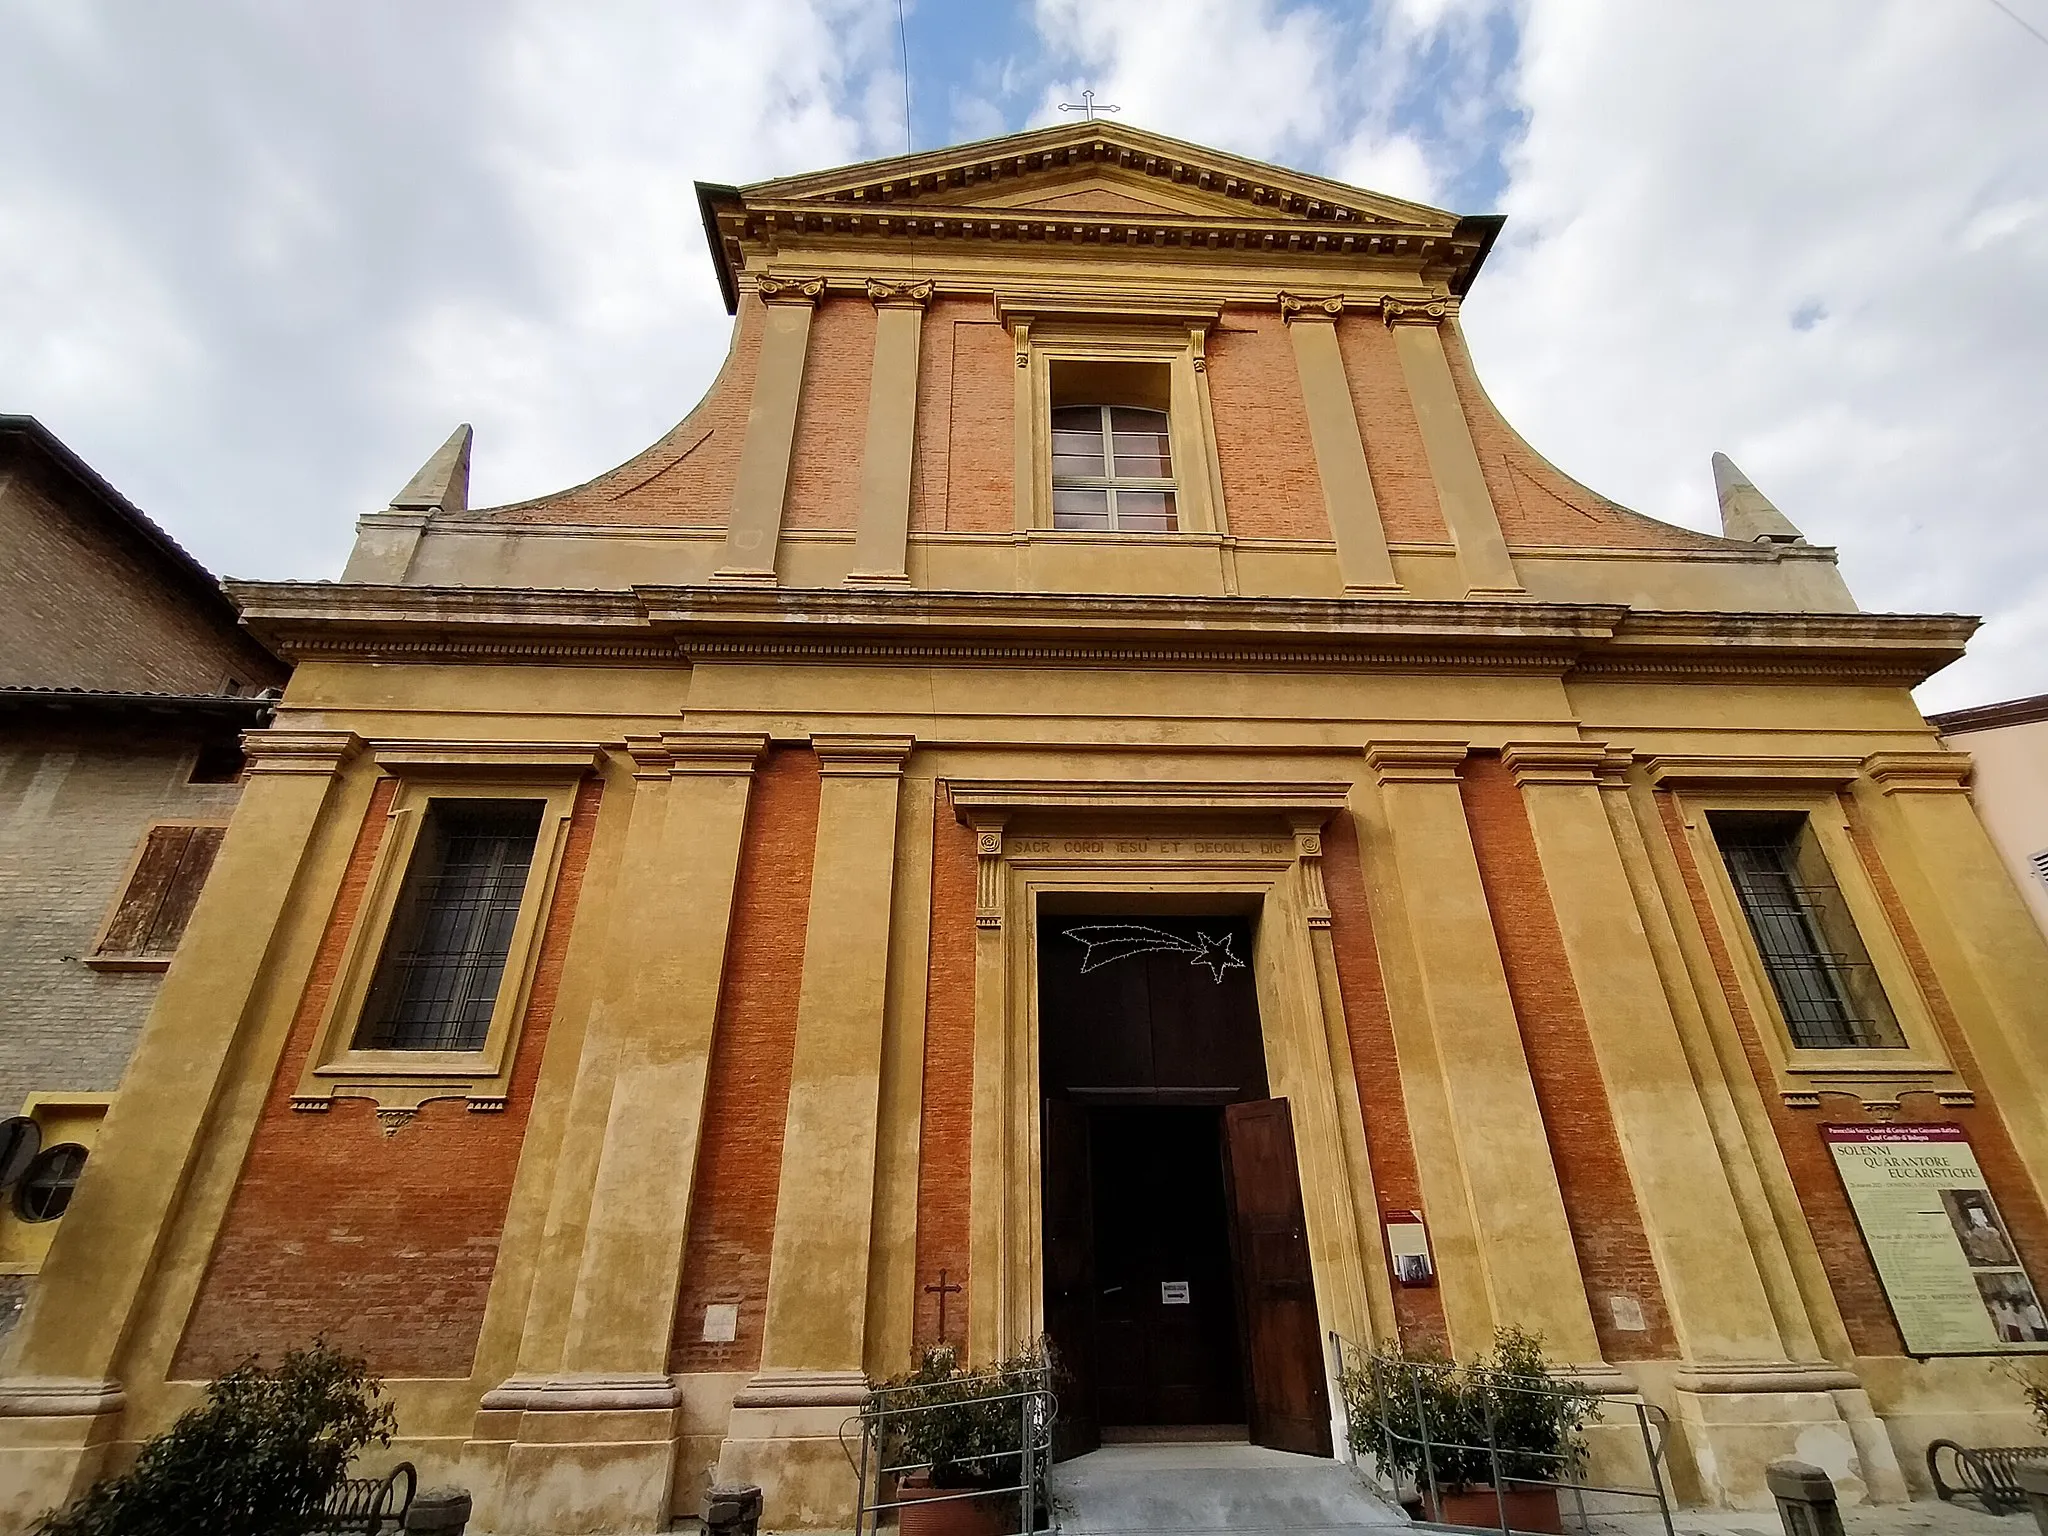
966,1429
1446,1428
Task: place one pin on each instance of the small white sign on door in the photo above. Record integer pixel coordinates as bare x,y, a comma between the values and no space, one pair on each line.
1173,1293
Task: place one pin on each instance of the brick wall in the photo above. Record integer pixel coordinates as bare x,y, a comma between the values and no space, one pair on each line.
966,444
832,418
74,806
85,604
946,1137
1270,489
385,1244
1537,503
686,479
1418,1312
1599,1199
739,1160
1394,455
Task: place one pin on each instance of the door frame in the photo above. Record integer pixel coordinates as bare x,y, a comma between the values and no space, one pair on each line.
1253,849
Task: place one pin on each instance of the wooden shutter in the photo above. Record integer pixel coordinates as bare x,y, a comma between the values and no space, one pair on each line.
151,915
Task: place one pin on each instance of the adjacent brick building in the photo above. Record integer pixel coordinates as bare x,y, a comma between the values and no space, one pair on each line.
125,682
1095,677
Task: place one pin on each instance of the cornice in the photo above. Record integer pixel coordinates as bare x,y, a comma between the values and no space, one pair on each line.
658,625
527,759
978,800
1990,717
1702,771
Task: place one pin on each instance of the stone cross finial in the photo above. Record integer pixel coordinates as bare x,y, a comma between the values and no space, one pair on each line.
1087,105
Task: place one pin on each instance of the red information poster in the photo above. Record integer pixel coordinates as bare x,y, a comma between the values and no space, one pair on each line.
1947,1263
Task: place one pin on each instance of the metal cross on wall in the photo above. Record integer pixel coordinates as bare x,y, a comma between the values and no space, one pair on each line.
1087,105
942,1291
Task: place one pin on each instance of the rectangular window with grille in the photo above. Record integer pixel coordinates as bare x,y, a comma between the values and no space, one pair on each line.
437,980
1818,966
149,919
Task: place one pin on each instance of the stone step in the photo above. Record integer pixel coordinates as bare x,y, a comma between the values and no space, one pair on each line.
1137,1490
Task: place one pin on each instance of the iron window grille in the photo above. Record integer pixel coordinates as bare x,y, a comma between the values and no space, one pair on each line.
2040,863
437,980
1825,984
1112,470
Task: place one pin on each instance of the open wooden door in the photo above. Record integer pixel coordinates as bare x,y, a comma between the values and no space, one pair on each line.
1070,1275
1290,1409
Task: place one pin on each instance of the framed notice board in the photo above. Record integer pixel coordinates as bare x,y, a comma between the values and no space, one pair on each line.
1949,1267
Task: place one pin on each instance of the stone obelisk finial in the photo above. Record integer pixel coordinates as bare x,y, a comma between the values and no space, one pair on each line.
442,485
1746,513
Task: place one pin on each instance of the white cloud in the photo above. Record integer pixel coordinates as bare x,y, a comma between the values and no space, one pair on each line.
1695,179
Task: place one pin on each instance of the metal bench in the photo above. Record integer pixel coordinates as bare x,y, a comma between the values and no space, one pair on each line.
370,1505
1988,1473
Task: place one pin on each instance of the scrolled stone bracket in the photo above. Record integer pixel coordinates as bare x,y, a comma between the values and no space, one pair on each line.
988,871
1308,852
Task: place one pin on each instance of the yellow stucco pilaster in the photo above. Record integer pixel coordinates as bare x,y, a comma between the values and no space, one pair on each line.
754,525
785,1423
1447,443
61,1401
881,542
593,1389
1524,1243
1354,511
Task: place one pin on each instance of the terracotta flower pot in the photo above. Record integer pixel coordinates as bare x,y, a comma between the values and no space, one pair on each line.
926,1511
1528,1509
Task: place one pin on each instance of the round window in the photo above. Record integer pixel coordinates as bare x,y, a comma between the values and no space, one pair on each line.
45,1190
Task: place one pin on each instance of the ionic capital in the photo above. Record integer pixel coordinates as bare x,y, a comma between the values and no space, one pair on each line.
789,290
1414,312
907,293
1294,306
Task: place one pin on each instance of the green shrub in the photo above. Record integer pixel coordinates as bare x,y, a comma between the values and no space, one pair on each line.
258,1458
1537,1419
970,1440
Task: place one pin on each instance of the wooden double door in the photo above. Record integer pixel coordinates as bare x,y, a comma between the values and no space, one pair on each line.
1178,1291
1177,1282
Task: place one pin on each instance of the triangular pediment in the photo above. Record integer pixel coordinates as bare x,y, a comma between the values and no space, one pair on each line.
1098,167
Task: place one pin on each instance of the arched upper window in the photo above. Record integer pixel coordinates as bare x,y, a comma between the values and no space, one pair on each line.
1112,470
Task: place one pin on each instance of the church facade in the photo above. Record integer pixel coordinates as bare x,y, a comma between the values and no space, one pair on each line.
1093,788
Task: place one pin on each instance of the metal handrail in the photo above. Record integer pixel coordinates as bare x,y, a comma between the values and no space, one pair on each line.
889,1411
1652,1425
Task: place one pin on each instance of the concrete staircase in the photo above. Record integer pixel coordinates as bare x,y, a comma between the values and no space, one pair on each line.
1137,1490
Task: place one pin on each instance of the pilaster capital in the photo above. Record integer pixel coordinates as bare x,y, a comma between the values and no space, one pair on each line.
903,293
1615,766
1295,306
724,754
1937,771
1415,312
789,290
1554,762
1417,762
866,757
323,753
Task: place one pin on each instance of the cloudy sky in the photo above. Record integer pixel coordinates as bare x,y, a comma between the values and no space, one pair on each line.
258,258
